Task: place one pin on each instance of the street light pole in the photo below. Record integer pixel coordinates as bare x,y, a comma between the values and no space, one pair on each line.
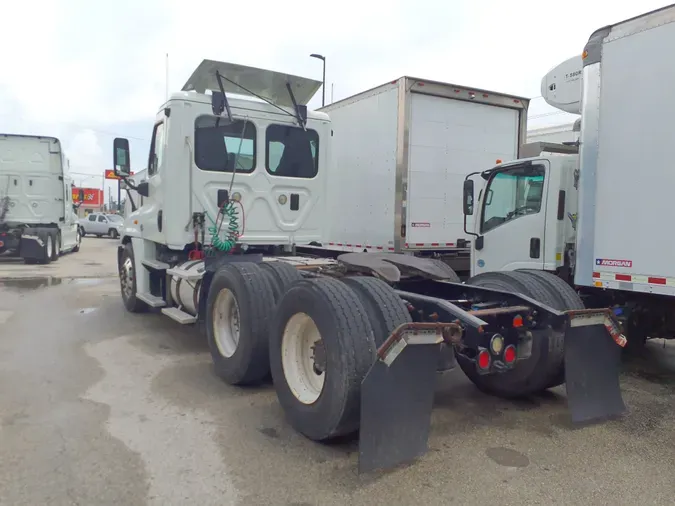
323,81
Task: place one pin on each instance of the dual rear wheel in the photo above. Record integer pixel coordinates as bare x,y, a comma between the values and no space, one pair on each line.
317,337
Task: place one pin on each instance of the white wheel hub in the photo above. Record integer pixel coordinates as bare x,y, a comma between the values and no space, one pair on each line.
299,345
226,323
49,246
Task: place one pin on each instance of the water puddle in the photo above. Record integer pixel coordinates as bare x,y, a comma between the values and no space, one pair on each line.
36,283
507,457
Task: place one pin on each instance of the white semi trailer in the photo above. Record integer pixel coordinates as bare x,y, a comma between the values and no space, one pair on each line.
37,215
399,154
235,186
594,216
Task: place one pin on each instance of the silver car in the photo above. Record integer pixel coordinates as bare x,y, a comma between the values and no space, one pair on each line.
100,224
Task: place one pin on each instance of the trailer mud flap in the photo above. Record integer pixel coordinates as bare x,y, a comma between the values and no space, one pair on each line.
397,397
592,366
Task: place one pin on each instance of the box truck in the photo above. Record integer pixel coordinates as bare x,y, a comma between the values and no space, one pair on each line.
597,218
399,153
37,215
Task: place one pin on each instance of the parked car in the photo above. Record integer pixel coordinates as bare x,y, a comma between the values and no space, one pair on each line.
100,224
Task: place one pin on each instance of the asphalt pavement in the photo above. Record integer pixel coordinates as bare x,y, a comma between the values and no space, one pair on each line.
102,407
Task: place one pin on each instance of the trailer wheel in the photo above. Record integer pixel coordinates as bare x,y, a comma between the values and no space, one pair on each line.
128,281
385,310
321,347
281,276
237,311
536,373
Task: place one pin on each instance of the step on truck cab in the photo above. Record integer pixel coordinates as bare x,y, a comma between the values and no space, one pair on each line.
235,186
592,211
37,215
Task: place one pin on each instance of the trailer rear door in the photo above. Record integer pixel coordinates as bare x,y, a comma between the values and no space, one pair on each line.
449,139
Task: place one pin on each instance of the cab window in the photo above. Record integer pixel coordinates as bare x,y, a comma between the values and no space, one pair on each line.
511,194
223,147
291,151
156,149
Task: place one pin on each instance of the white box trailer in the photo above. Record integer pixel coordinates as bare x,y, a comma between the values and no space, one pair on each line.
626,157
399,155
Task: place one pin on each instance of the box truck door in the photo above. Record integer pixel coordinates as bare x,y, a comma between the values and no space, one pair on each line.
449,139
512,220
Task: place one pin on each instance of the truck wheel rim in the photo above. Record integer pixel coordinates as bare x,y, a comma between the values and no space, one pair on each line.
49,246
226,323
299,345
127,278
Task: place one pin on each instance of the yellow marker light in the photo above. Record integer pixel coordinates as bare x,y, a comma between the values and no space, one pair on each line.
236,196
584,55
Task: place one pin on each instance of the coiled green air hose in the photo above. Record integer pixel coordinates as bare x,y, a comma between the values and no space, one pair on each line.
229,212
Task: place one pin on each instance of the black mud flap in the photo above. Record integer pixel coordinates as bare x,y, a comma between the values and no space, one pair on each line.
396,404
592,368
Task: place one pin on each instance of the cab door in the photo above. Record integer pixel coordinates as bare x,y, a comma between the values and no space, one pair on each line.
512,221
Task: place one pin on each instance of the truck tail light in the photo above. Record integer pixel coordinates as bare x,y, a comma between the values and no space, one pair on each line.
483,360
510,354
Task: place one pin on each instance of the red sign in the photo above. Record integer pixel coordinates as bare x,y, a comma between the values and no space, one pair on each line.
92,196
110,174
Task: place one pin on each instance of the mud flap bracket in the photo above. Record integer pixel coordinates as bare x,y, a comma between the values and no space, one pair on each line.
593,343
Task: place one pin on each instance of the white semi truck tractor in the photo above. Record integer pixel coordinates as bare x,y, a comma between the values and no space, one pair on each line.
38,221
592,212
353,343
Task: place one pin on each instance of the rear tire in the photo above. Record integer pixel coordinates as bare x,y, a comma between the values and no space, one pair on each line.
281,276
127,274
451,274
78,241
326,408
237,312
540,370
56,248
563,298
48,248
385,310
113,233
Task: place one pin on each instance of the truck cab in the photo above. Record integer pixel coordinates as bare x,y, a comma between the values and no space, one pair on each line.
263,154
525,215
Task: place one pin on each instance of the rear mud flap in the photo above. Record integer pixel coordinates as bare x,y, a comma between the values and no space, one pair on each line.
396,405
592,369
397,396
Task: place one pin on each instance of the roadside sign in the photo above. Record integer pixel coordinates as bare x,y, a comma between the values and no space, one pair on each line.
110,174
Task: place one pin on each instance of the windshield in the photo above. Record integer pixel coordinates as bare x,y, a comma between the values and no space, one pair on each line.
511,194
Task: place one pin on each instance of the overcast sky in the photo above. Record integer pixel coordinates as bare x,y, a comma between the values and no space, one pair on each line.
87,71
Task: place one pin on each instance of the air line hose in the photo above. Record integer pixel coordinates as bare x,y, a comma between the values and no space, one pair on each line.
226,243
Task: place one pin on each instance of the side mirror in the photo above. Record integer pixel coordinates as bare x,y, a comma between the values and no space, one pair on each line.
143,189
121,159
468,197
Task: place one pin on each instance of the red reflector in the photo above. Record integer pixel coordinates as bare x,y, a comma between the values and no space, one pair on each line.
510,354
484,359
657,281
485,95
420,84
517,321
596,274
1,244
622,277
516,101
